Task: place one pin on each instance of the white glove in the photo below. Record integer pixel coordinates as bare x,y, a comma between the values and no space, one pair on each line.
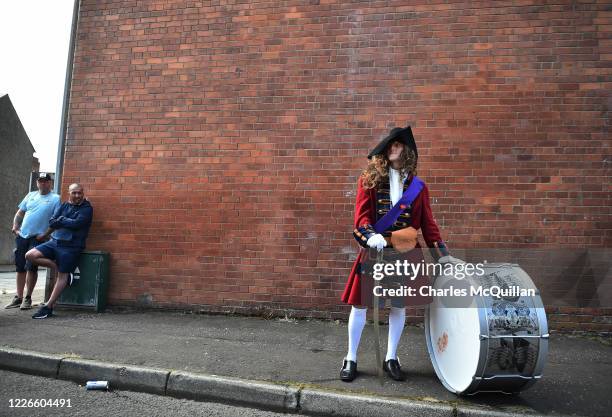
450,260
377,242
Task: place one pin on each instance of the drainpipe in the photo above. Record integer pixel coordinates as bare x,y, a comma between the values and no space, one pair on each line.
59,167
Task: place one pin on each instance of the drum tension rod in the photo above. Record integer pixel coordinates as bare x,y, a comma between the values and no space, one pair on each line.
544,336
487,378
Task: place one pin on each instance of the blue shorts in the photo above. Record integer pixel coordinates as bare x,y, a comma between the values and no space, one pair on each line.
66,258
22,245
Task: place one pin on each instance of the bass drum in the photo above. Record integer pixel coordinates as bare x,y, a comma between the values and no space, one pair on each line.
497,344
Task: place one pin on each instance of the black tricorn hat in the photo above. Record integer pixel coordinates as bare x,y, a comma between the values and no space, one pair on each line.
403,135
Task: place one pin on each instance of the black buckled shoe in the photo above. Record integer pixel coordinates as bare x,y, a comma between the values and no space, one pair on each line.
348,371
393,368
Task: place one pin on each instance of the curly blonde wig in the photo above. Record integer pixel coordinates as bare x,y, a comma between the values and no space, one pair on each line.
378,167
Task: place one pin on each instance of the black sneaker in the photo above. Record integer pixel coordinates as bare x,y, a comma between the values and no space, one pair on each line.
15,303
43,313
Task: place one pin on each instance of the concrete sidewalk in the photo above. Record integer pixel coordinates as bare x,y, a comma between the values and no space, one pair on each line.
299,358
8,276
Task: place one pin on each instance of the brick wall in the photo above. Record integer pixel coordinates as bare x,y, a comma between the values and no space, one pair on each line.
220,142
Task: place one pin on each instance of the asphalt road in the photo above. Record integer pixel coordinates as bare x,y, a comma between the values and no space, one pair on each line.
14,386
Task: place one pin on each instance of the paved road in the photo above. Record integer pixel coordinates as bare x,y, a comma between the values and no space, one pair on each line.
101,403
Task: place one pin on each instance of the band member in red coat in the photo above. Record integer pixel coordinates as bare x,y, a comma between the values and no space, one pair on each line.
389,173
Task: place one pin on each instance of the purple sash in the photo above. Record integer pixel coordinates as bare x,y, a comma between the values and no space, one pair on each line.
408,197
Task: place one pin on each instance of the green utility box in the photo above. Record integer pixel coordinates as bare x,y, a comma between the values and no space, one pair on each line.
90,282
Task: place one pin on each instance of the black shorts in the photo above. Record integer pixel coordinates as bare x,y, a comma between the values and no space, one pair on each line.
22,245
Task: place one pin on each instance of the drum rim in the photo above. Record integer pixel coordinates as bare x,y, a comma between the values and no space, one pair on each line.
543,347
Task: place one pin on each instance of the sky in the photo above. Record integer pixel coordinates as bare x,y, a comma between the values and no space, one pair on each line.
35,36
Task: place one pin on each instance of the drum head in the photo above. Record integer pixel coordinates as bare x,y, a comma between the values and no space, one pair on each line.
454,344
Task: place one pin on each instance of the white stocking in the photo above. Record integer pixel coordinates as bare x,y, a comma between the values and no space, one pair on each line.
356,323
397,319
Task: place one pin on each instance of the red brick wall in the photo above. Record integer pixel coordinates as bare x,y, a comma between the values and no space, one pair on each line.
220,142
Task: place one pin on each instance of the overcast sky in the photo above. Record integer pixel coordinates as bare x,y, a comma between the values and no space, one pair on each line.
34,48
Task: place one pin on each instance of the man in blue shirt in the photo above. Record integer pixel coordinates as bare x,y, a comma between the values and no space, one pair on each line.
29,226
70,225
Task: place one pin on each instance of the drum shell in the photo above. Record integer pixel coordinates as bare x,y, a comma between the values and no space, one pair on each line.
508,361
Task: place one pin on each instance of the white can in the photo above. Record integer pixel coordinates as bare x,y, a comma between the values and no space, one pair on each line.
99,385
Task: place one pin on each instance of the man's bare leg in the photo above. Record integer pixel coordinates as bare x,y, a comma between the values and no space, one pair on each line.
31,278
21,281
60,284
37,258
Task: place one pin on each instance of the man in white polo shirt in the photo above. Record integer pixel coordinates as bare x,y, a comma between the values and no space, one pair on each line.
30,224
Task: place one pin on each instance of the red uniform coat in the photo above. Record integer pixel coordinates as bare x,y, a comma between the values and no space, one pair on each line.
421,218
